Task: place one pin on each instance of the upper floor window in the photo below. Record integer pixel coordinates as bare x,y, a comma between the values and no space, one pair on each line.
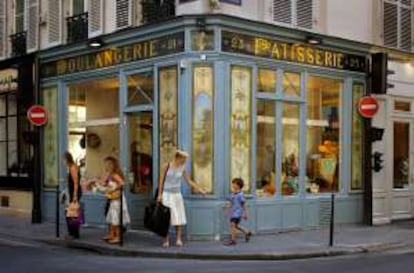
19,16
298,13
397,19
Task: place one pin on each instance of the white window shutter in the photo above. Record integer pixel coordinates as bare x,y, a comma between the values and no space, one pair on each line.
406,29
282,11
390,16
123,13
3,37
95,17
304,13
54,22
32,24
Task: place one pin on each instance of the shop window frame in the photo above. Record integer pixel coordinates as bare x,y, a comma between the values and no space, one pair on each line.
280,99
343,144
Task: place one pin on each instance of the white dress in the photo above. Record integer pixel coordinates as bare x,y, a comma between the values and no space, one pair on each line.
113,215
172,197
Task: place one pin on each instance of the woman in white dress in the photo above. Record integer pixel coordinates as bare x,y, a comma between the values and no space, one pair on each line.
113,186
169,193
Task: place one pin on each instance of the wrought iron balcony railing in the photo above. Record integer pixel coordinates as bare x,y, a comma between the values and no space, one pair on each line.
18,41
157,10
77,27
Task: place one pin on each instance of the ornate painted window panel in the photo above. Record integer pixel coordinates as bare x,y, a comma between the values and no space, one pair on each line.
357,138
203,127
50,139
241,91
168,121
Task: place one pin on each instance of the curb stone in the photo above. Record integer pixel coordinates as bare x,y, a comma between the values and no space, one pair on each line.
274,256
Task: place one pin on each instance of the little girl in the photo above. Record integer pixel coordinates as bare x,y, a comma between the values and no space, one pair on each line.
238,211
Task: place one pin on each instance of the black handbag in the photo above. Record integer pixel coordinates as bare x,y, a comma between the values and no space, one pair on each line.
157,218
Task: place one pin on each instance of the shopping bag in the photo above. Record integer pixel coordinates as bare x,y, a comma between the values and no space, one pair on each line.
72,210
157,218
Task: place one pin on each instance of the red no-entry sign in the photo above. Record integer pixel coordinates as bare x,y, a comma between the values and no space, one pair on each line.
368,106
37,115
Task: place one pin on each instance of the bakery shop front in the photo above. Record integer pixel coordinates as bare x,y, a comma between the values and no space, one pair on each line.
264,106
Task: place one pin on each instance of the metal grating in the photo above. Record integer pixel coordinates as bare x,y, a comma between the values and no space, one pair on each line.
324,212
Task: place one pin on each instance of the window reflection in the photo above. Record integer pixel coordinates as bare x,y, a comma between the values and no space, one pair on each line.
291,84
140,152
323,134
265,160
401,154
266,81
141,89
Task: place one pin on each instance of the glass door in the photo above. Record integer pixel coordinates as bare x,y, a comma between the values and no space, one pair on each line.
140,157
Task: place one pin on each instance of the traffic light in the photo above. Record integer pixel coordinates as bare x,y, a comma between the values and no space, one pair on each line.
378,161
379,73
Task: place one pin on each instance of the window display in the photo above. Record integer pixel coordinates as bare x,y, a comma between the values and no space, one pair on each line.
202,137
265,151
323,134
241,89
357,138
290,144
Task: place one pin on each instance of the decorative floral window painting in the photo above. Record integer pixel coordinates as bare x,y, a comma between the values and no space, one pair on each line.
202,137
168,113
241,88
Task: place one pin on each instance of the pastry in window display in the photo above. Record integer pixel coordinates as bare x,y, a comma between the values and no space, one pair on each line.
327,164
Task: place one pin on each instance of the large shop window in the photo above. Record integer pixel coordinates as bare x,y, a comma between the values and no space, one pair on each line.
323,134
15,149
241,92
50,138
203,126
357,138
93,123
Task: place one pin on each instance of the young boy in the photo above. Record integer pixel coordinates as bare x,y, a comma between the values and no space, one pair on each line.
238,211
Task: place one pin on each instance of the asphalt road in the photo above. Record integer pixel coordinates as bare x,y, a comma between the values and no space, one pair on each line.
30,257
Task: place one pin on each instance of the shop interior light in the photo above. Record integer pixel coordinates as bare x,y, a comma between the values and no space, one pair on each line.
313,40
95,43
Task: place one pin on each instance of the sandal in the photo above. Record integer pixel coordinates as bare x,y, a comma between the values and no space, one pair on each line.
230,243
166,244
114,241
247,236
179,243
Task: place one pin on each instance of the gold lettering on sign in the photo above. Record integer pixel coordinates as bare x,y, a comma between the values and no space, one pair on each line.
116,55
293,52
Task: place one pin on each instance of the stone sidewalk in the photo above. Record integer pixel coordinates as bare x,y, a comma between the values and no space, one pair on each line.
281,246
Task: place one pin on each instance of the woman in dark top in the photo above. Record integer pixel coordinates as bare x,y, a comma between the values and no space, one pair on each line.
74,189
